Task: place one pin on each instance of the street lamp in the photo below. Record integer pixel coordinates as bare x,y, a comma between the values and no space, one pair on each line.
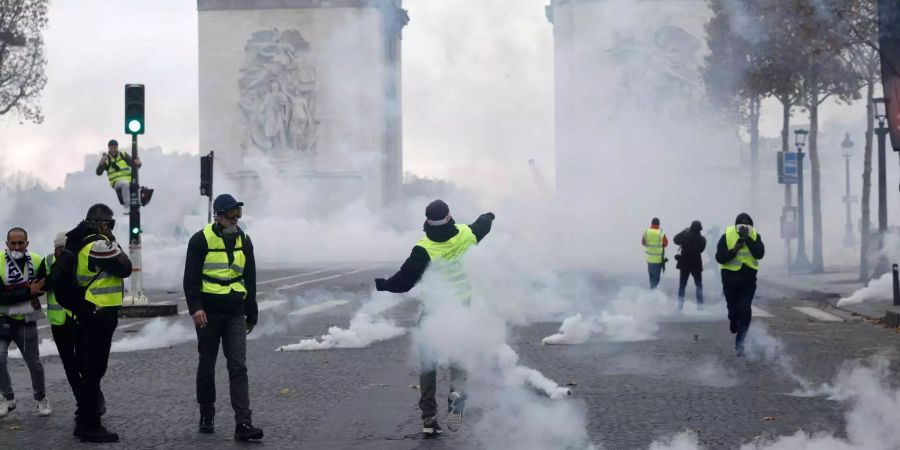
801,263
847,152
882,131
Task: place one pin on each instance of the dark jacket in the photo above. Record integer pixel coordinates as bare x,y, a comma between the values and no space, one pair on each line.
75,240
692,245
101,167
411,271
18,294
746,275
228,304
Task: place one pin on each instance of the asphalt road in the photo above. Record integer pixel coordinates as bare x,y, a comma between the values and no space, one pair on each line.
631,393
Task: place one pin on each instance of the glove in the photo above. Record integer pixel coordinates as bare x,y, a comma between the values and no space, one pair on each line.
490,216
249,327
379,284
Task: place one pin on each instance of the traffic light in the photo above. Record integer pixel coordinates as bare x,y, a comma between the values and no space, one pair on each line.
206,175
134,109
134,229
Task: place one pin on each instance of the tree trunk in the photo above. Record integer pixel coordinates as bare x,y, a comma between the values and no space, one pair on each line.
755,103
865,215
785,122
814,166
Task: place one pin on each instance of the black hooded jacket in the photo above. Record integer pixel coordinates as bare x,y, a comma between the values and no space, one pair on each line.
746,275
692,245
411,271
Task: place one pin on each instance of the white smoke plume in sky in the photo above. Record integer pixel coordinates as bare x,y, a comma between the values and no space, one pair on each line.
366,328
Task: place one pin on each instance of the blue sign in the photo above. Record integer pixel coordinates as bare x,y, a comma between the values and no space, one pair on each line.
788,168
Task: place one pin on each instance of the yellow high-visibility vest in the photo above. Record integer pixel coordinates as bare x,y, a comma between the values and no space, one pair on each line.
56,314
446,260
117,169
653,245
744,257
106,290
220,277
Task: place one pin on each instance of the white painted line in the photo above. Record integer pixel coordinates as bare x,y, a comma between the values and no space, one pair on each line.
818,314
319,307
315,272
757,312
330,277
269,304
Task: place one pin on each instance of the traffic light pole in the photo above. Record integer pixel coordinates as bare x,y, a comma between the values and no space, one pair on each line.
134,231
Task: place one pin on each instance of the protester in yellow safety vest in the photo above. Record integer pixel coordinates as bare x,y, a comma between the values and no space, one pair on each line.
442,250
220,289
100,269
21,282
739,251
63,326
655,242
117,166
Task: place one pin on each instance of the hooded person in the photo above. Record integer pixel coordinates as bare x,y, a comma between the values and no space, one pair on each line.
101,267
738,252
442,251
690,261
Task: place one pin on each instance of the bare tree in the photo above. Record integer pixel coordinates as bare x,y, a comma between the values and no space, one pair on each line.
22,57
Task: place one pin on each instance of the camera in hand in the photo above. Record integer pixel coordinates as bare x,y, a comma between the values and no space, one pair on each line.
743,230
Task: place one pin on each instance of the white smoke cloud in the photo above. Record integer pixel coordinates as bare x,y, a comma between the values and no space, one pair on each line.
366,328
157,333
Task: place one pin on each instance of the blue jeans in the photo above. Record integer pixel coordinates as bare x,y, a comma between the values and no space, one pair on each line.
655,271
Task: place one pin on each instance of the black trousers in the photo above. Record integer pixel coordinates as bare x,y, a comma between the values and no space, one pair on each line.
684,274
66,338
96,332
739,298
232,332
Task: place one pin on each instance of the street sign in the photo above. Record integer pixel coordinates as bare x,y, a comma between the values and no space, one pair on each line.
788,168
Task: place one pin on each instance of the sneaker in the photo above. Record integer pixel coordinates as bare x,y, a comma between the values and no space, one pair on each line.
247,432
99,434
739,350
430,427
455,412
680,305
207,425
43,407
6,406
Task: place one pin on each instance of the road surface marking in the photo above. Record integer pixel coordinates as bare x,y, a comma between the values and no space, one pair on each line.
319,307
818,314
757,312
298,275
269,304
330,277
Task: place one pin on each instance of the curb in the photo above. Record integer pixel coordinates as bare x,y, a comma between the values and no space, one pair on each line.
890,318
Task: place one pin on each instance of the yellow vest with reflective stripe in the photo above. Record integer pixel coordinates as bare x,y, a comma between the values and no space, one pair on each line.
106,290
36,261
653,245
744,257
56,314
117,169
220,277
446,260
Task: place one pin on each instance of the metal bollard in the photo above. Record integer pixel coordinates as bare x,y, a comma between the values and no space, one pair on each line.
896,285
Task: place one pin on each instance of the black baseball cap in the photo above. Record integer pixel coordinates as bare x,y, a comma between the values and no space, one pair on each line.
225,202
112,142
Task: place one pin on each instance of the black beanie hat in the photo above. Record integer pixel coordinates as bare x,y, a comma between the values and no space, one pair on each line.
437,211
112,142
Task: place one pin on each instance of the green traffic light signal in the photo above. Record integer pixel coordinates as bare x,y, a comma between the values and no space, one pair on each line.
135,230
134,109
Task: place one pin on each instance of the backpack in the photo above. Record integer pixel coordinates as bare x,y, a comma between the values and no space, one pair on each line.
69,294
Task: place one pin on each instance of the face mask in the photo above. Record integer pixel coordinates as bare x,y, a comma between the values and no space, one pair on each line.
230,231
14,254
